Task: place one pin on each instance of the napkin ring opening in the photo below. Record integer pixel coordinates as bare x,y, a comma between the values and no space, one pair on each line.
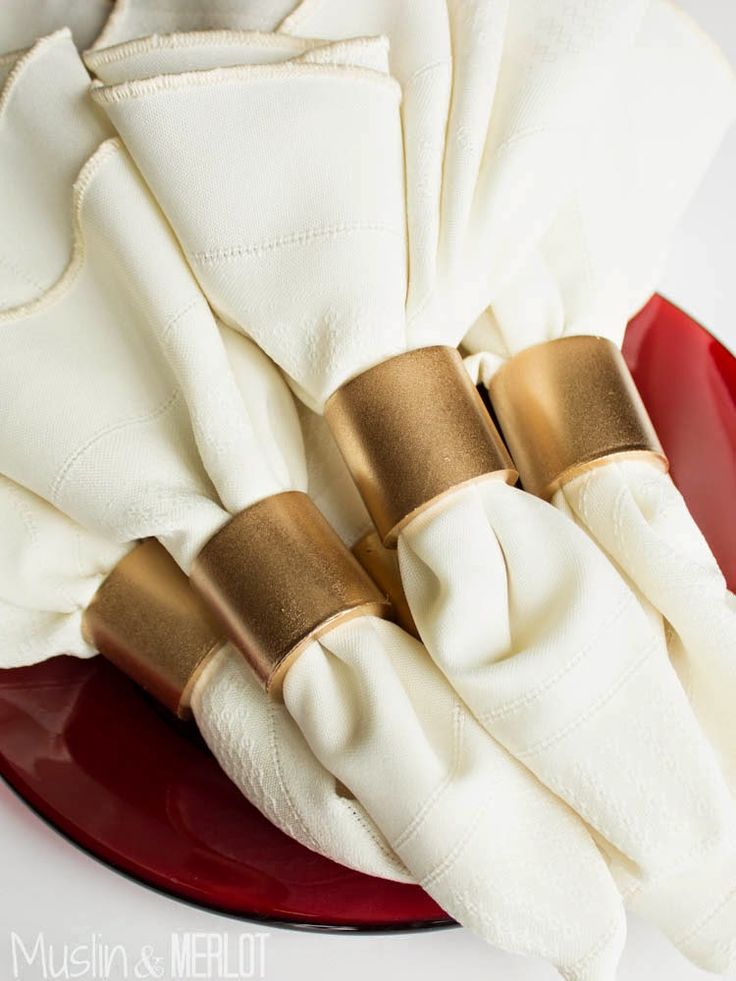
149,622
411,430
569,405
277,577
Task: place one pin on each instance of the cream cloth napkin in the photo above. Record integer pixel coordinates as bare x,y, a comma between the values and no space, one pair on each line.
50,568
287,194
596,266
694,909
590,275
119,409
35,182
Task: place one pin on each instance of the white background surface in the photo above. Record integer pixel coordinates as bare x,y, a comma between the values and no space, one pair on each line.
47,884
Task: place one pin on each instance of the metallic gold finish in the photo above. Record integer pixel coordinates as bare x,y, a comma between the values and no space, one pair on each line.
278,577
569,405
411,430
382,565
148,621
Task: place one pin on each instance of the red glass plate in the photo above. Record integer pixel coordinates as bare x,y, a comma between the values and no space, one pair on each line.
91,754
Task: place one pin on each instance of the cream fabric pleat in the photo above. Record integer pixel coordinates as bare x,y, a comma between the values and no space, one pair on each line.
131,19
287,195
101,23
23,21
35,181
328,479
50,568
119,408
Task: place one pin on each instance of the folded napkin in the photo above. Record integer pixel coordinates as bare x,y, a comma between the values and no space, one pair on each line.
596,266
590,275
287,194
50,569
120,409
695,909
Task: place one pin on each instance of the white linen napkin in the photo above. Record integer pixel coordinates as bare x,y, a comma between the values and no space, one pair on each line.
50,569
596,266
695,909
119,409
591,275
287,194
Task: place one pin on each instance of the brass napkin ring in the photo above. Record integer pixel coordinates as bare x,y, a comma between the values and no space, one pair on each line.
568,405
278,577
411,430
382,565
149,622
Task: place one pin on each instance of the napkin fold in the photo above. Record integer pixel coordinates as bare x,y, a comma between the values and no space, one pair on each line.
130,19
531,624
121,410
23,21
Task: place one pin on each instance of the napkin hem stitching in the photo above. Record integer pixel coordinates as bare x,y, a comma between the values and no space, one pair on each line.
239,75
246,250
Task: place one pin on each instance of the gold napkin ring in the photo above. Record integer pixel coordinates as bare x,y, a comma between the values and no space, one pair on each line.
277,577
411,430
148,621
567,406
382,565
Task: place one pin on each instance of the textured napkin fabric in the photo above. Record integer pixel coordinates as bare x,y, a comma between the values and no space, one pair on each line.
119,408
287,193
